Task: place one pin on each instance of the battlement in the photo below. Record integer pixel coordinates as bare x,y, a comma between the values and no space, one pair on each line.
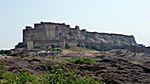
28,28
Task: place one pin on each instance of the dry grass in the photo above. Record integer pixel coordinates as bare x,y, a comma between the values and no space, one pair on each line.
79,50
136,62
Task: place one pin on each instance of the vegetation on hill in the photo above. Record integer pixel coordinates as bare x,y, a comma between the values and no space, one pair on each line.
53,74
5,52
76,66
77,60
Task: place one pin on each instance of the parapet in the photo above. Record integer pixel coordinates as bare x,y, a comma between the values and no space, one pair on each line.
50,23
77,27
28,28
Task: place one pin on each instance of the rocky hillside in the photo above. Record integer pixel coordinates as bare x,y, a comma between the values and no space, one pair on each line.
119,66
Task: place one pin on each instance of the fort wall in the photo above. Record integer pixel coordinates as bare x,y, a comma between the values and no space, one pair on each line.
47,34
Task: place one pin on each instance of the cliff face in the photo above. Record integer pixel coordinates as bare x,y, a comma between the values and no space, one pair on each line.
109,41
47,34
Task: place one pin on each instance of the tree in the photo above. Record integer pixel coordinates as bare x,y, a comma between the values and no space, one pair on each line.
6,52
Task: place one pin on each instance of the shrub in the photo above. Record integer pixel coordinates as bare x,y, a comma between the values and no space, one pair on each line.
26,78
7,77
61,76
22,78
82,60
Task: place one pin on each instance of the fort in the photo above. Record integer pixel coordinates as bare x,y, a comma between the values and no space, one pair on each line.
48,34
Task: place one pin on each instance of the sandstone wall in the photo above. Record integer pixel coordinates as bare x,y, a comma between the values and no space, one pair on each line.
44,44
30,45
47,34
33,34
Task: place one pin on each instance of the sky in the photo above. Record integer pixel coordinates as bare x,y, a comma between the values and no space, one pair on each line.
129,17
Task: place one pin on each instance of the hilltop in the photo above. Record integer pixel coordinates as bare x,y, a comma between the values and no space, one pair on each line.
56,53
111,67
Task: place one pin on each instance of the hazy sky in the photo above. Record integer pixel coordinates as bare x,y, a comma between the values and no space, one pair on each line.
131,17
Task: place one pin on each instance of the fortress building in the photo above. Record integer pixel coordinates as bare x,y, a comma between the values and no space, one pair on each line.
47,34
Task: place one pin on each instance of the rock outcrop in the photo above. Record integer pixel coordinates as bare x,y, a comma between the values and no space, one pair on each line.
118,66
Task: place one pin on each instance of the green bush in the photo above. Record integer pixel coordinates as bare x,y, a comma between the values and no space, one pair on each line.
60,76
7,77
82,60
21,78
26,78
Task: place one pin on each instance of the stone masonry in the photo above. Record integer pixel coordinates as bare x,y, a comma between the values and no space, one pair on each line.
46,34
